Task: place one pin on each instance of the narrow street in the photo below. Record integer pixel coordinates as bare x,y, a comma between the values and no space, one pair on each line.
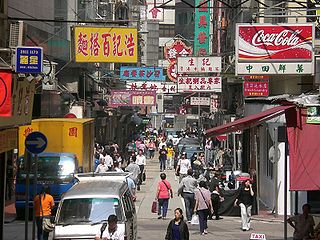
150,228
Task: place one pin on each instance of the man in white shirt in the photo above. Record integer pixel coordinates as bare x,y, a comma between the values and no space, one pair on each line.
111,231
184,165
101,168
109,161
162,143
142,162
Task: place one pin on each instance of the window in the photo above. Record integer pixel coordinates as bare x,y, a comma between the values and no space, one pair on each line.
166,30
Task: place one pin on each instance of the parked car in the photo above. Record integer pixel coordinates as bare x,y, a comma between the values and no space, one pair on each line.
89,203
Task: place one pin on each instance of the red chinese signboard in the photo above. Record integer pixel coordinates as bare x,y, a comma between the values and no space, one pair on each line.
5,94
132,98
255,89
177,49
275,42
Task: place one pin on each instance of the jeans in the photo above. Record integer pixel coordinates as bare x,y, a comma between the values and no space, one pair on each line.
163,207
245,216
151,153
162,164
189,202
41,235
203,219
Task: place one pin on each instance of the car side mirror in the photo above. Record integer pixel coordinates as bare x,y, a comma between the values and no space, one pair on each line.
129,215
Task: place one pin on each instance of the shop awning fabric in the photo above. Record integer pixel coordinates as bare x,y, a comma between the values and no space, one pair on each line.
248,121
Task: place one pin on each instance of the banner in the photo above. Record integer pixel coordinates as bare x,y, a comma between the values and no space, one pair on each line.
159,87
177,49
153,13
202,28
199,84
100,44
132,98
274,49
255,89
142,73
199,64
5,94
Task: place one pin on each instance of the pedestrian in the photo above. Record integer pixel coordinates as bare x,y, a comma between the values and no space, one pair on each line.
111,230
183,166
132,187
151,148
203,206
170,154
142,162
303,224
187,189
245,200
163,158
102,167
134,169
164,193
162,142
177,228
116,167
108,160
216,196
44,205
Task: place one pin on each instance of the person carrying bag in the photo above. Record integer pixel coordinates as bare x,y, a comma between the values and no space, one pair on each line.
43,204
163,195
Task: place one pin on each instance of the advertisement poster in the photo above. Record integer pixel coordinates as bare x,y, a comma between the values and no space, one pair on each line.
313,115
100,44
255,89
203,101
28,60
274,49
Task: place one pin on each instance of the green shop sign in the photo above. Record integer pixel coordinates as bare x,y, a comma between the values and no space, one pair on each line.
202,28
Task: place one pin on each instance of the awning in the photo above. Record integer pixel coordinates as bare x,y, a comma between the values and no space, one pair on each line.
248,121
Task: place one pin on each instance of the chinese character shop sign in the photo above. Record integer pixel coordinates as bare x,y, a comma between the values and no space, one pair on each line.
5,94
199,64
132,98
155,13
255,89
275,49
159,87
199,84
144,73
28,59
202,28
98,44
177,49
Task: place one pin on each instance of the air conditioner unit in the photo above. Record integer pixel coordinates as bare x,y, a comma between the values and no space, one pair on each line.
16,34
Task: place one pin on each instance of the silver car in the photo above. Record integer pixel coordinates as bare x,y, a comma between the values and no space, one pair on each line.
88,204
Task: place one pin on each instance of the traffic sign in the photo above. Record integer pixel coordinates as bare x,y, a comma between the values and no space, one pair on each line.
36,142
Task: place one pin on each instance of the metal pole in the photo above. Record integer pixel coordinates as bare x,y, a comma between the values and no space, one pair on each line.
296,204
285,188
234,152
199,113
26,207
35,180
276,143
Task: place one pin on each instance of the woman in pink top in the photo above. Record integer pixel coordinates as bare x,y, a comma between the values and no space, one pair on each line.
163,194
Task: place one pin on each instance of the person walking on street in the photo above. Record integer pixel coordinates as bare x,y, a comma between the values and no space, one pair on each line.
44,205
134,169
151,148
102,167
108,160
303,224
163,158
164,193
142,162
214,187
187,189
203,206
177,228
183,166
245,201
170,154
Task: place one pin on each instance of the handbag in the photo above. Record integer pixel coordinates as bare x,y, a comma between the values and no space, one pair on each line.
47,225
154,207
195,219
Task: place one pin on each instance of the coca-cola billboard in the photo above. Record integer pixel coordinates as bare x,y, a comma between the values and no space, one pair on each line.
275,49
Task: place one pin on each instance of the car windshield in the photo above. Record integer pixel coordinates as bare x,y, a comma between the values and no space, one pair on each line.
88,210
49,168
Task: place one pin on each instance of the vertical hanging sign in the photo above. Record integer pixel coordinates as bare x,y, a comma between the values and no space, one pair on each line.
202,28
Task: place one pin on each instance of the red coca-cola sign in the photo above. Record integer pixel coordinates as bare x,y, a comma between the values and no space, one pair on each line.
275,42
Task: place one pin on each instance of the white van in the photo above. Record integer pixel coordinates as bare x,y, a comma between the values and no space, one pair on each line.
88,204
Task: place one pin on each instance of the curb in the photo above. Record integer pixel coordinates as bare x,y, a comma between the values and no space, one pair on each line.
267,220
